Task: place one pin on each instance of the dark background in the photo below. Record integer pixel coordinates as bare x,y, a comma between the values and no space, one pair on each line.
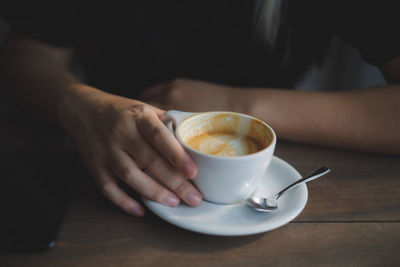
343,69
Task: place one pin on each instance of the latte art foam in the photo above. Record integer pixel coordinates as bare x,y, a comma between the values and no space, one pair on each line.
224,145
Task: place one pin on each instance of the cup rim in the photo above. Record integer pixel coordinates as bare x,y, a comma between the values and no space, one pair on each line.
270,146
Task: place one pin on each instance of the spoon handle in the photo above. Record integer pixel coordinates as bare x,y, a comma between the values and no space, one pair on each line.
316,174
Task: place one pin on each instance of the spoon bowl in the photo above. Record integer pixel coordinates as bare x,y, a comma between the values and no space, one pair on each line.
268,204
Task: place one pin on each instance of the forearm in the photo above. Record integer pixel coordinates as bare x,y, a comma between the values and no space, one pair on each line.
366,120
38,80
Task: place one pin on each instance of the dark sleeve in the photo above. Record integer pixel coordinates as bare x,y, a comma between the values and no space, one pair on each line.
47,21
371,26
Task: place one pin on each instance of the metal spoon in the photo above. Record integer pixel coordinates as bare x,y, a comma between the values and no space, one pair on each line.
270,203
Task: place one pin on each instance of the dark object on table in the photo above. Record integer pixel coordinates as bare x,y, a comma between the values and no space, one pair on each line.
34,188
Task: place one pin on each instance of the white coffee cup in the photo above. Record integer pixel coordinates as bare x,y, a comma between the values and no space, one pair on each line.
224,179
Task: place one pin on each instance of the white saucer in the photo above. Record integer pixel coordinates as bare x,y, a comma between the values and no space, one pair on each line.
238,219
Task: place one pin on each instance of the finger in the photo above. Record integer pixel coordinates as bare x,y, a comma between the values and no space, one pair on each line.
126,169
158,135
168,175
108,186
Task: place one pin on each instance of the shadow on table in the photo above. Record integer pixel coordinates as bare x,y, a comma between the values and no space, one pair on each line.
172,238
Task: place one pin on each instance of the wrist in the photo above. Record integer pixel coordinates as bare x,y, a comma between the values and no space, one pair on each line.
250,101
76,105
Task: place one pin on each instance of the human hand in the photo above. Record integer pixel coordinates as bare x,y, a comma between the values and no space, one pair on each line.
116,137
192,95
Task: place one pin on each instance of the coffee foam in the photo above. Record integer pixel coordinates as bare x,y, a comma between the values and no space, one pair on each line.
225,134
224,145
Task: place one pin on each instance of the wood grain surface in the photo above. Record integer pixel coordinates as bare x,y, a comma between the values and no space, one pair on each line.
352,218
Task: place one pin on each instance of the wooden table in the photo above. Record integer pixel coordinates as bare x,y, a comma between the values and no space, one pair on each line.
352,218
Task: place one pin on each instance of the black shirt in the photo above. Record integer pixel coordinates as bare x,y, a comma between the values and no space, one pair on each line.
126,46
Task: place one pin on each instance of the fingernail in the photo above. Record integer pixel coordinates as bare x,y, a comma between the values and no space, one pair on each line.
172,201
138,211
193,199
189,169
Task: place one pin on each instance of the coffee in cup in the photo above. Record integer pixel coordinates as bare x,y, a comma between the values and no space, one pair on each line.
225,135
